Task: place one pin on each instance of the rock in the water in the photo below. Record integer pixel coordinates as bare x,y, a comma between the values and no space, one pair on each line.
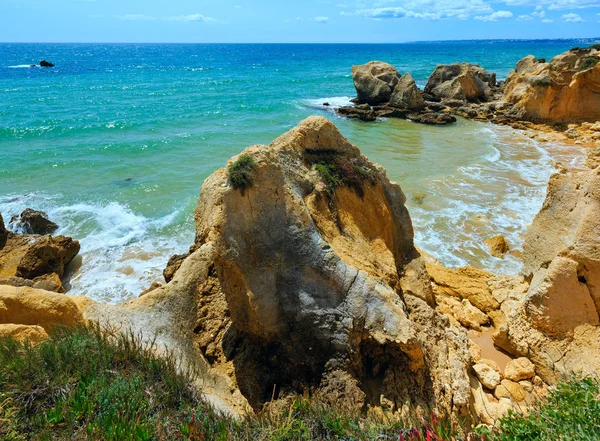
47,255
45,63
432,118
374,82
567,89
3,233
362,112
464,82
498,246
406,95
33,222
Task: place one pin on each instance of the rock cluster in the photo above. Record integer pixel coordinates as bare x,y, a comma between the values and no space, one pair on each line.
566,89
34,260
462,82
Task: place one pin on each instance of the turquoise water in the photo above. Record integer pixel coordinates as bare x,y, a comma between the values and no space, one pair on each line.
114,144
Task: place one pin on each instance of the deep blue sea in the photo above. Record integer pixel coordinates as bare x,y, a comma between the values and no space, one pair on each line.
116,140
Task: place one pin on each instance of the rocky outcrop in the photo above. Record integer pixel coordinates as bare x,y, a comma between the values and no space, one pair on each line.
45,63
308,276
33,222
35,307
36,261
3,233
432,118
464,82
555,323
567,89
406,95
374,82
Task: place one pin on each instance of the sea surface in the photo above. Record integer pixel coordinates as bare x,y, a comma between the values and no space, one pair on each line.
115,142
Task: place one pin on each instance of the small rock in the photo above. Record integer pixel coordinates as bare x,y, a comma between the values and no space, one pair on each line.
33,222
510,389
498,246
45,63
519,369
490,363
487,376
432,118
527,385
360,112
326,104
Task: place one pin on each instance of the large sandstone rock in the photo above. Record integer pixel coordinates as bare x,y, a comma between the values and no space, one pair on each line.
307,282
374,82
22,333
33,222
28,306
464,82
556,323
567,89
406,95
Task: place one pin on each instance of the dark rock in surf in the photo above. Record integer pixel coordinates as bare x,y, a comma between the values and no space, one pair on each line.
362,112
45,63
33,222
431,118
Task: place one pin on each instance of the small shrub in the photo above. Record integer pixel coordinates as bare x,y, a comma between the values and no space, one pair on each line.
595,46
241,172
588,63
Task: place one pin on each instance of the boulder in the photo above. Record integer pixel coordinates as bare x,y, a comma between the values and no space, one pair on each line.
498,246
406,95
173,265
488,376
22,333
45,63
464,312
47,255
432,118
463,82
374,82
28,306
510,389
310,280
567,89
3,233
519,369
33,222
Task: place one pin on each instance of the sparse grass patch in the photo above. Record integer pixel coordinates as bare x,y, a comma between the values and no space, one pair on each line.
571,412
595,46
241,172
338,170
588,63
542,82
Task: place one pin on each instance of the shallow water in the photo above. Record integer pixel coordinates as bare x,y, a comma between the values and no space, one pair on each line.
115,142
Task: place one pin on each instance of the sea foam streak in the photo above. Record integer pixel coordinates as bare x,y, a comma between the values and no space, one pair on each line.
122,253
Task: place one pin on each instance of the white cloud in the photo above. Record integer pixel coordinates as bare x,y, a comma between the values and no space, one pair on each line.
525,17
346,14
184,18
425,9
495,16
554,5
572,18
538,13
322,19
547,20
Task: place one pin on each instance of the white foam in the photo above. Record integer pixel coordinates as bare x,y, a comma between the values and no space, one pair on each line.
23,66
122,252
334,103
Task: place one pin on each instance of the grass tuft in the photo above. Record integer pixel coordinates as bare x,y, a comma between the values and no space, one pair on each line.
241,172
588,63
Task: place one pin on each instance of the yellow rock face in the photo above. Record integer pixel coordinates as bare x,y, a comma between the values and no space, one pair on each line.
22,333
28,306
565,90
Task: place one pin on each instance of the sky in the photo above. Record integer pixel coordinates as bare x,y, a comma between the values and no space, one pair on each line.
281,21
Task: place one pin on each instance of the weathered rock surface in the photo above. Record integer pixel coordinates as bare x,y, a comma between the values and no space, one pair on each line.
36,261
510,389
374,82
33,222
297,284
28,306
519,369
567,89
432,118
498,246
463,82
406,95
22,333
488,376
3,233
362,112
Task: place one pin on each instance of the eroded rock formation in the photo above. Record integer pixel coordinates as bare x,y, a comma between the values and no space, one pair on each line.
567,89
463,82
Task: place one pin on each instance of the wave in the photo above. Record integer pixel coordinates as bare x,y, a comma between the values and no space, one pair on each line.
122,252
23,66
334,103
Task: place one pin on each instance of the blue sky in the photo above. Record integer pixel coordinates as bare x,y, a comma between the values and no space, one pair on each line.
362,21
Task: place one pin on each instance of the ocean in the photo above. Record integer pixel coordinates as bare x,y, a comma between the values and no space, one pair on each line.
115,142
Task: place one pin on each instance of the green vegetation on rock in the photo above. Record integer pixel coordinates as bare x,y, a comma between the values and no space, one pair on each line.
241,172
588,63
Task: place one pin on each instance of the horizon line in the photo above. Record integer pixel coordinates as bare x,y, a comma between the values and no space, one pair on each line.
315,43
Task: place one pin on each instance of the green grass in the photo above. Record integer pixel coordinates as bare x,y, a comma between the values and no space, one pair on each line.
88,384
588,63
240,173
571,412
